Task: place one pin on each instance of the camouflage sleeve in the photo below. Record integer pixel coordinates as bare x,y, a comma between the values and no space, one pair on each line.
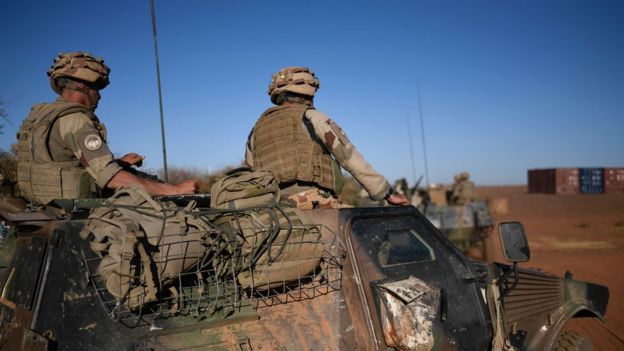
86,142
347,156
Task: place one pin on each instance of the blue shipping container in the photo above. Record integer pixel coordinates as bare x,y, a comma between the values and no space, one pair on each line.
591,180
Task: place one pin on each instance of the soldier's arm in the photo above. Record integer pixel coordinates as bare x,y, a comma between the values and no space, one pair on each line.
84,140
124,178
336,141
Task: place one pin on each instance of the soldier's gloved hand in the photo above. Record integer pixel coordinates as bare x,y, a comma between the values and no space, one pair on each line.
397,199
132,159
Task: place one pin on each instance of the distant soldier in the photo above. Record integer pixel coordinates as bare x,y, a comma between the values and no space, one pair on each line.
62,151
305,149
463,189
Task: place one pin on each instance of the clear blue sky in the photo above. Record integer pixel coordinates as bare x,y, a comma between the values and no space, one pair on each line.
505,85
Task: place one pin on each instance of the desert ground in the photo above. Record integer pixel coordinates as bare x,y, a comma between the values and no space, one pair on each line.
583,234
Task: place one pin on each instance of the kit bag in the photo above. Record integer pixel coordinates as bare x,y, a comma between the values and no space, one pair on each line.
144,244
269,247
263,243
244,188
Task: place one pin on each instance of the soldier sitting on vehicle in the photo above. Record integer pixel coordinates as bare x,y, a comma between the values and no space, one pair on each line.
463,189
305,149
62,147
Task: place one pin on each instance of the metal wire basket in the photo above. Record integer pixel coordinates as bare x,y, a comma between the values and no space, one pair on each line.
254,258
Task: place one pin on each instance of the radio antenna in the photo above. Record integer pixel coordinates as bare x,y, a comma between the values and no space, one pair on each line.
422,130
160,104
409,135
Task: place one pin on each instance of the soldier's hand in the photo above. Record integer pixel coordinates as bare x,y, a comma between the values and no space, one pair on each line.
398,199
187,187
132,159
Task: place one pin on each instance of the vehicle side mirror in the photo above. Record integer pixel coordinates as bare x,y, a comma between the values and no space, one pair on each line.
514,241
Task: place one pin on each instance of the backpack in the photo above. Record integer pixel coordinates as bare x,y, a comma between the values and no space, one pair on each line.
264,243
144,244
244,188
270,246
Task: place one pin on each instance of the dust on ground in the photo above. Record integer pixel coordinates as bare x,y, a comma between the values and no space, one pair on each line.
583,234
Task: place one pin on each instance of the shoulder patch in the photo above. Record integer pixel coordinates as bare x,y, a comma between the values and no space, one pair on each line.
93,142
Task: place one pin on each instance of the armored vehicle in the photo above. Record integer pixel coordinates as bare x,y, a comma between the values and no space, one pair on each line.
386,278
466,225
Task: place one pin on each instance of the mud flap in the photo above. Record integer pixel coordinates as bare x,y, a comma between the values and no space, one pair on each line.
408,311
500,342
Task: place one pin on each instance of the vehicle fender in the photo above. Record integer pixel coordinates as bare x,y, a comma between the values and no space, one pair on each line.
581,299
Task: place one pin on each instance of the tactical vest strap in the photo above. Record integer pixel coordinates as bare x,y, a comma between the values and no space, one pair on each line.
41,178
284,145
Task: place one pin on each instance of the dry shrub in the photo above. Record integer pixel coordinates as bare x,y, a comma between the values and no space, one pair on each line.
8,172
204,179
353,194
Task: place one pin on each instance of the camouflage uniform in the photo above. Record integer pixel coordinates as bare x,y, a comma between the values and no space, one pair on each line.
285,133
74,143
335,141
463,191
62,149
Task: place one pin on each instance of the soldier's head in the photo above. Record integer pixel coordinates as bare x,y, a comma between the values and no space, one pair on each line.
80,76
464,175
457,178
293,84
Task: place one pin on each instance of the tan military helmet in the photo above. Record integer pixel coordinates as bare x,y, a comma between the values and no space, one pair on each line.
81,66
299,80
464,175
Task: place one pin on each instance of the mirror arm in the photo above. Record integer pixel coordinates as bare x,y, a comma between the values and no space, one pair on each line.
504,292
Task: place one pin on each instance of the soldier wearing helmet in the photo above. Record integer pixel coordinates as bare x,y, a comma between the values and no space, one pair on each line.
305,149
62,151
463,189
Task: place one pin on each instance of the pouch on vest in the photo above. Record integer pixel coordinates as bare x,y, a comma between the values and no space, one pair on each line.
244,188
144,244
269,246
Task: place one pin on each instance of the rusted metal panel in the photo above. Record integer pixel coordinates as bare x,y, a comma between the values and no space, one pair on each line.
614,180
591,180
408,310
554,181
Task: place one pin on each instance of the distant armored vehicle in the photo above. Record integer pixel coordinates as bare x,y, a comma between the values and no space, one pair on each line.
386,278
467,225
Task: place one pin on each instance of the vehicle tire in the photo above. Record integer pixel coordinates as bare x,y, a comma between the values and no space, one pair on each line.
571,340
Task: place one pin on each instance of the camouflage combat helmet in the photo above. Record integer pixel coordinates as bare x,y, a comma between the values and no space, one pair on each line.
81,66
464,175
299,80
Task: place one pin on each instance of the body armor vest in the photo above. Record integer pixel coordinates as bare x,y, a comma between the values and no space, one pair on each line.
284,145
44,174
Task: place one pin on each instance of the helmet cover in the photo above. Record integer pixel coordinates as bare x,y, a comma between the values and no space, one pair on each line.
299,80
81,66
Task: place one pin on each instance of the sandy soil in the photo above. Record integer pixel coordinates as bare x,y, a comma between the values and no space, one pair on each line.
583,234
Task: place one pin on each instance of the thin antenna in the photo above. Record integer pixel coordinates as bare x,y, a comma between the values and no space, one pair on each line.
160,105
409,135
422,130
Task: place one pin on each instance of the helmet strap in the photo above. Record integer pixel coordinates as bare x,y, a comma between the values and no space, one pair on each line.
292,97
65,83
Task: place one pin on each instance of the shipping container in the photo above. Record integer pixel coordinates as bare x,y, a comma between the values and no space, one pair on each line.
614,180
591,180
554,181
